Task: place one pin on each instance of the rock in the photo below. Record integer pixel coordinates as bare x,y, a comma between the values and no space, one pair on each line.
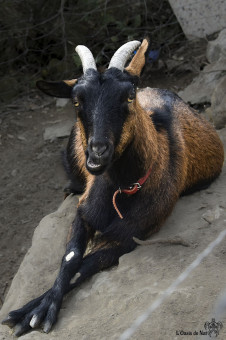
212,215
58,130
48,245
33,107
204,87
217,111
200,18
201,88
219,65
14,172
217,48
21,138
62,102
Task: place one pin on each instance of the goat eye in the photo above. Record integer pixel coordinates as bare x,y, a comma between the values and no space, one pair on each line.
76,103
131,96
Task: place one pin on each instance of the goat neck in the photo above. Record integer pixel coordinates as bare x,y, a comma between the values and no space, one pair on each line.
141,152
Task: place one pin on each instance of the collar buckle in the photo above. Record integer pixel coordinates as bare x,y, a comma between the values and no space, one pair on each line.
135,185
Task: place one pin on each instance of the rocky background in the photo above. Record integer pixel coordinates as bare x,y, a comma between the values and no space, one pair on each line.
210,85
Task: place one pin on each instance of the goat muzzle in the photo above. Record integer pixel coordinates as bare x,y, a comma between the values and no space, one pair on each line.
98,157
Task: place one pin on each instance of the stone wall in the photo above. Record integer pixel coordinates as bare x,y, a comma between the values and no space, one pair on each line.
199,18
210,85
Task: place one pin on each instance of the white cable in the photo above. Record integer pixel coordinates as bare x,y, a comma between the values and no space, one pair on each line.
131,330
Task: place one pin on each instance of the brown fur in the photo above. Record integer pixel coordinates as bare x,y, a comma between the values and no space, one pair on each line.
136,65
154,148
89,183
70,82
82,135
79,149
79,145
202,151
126,135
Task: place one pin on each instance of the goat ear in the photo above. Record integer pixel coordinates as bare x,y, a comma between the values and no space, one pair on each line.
137,63
60,89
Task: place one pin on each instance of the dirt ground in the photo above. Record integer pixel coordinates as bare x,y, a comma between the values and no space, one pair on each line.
31,174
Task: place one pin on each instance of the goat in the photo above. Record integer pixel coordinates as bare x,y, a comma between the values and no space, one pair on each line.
135,152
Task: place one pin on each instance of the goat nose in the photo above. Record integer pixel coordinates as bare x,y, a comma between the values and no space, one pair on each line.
98,148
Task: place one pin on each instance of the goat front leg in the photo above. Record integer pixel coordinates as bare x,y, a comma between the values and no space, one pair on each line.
101,259
44,309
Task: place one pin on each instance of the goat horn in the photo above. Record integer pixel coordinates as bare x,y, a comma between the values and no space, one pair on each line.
122,54
86,57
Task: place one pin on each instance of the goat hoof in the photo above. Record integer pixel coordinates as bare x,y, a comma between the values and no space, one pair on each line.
47,327
8,321
43,310
21,329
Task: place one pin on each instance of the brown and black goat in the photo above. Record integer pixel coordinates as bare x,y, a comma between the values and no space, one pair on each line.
134,152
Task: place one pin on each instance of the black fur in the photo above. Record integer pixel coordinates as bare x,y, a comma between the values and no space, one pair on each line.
201,185
163,119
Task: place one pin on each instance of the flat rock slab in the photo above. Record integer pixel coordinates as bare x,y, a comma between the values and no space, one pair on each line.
58,130
217,111
110,301
201,17
204,87
201,88
216,49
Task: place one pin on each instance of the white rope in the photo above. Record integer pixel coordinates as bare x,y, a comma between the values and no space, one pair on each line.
131,330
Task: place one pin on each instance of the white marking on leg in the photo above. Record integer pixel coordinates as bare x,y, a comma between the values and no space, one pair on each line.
74,279
69,256
33,321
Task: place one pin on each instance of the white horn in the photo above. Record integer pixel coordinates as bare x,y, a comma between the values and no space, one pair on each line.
121,56
86,57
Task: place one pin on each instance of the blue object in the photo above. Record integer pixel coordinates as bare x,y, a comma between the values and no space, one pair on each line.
153,55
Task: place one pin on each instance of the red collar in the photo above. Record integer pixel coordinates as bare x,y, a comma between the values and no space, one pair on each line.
130,191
